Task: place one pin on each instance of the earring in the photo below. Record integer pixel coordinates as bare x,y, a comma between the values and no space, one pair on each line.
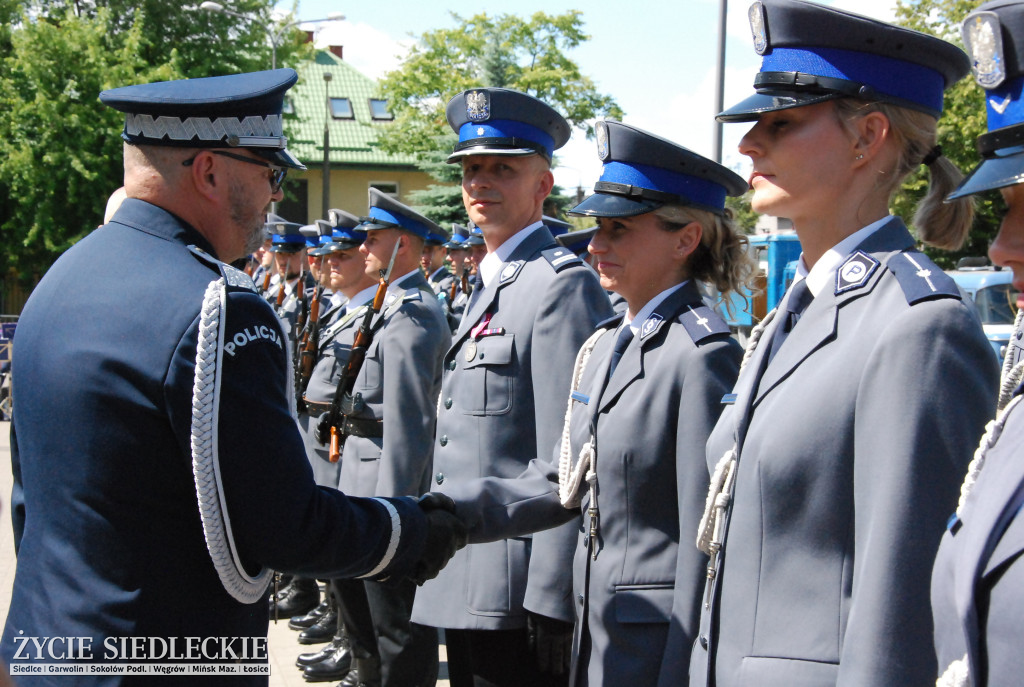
859,157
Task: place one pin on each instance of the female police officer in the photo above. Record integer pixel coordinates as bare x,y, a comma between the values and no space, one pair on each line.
978,578
647,391
855,416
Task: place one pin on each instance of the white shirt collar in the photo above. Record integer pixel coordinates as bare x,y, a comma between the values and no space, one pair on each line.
649,308
491,265
361,298
820,275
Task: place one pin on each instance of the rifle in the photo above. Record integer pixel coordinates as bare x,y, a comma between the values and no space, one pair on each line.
310,339
343,403
266,280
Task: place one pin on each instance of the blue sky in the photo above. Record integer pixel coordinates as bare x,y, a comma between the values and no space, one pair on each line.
656,58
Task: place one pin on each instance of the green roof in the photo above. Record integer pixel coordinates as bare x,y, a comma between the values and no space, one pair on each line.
352,140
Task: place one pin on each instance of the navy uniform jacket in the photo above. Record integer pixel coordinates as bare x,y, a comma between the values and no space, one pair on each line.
852,445
978,580
501,407
398,382
113,545
653,417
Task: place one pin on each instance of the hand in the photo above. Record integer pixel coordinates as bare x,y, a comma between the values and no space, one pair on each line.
551,642
322,433
446,534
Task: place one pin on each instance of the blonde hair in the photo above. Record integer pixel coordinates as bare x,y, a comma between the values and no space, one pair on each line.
940,224
722,258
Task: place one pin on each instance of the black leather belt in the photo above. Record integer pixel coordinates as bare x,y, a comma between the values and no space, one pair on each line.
350,426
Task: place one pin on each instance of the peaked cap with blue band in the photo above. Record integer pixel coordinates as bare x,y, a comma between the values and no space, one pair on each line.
458,239
643,172
994,36
476,235
341,232
235,111
310,232
497,121
286,237
388,213
577,241
813,53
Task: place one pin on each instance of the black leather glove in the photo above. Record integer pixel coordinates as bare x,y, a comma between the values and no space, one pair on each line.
322,433
446,534
550,640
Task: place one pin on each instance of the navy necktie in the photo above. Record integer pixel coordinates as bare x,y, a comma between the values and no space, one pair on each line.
625,336
799,298
478,286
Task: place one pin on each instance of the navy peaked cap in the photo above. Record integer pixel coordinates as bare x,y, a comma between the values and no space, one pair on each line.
287,237
498,121
458,238
341,234
813,53
235,111
388,213
994,37
643,172
310,232
322,237
577,241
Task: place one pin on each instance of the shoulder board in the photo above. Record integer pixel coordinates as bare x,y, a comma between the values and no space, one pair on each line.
920,278
233,276
611,323
702,322
560,258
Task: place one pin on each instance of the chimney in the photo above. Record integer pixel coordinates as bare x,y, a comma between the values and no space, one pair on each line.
309,36
336,50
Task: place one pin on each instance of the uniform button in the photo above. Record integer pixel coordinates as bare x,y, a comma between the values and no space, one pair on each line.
444,439
1019,334
447,403
439,478
703,641
451,366
580,598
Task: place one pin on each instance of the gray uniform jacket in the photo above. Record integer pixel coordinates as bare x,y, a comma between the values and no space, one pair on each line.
851,447
667,389
978,580
398,382
502,404
338,331
441,280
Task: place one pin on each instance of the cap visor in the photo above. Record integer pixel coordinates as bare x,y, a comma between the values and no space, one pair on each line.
286,248
279,157
992,173
610,205
484,150
764,101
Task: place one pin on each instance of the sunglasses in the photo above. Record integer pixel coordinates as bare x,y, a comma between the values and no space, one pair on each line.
275,177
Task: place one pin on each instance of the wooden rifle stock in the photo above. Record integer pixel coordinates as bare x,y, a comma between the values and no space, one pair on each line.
280,291
355,362
266,281
310,338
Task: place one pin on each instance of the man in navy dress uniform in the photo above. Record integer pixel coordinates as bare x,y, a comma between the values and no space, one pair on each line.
503,390
174,474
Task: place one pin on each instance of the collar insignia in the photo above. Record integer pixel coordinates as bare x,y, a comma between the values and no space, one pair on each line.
855,272
650,324
509,272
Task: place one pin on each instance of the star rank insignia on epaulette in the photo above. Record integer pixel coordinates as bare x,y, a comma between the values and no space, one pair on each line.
855,272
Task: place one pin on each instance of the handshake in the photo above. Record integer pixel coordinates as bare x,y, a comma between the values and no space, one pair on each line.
446,534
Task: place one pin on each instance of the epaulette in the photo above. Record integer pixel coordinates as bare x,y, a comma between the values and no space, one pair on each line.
702,322
233,276
394,300
560,258
920,278
610,323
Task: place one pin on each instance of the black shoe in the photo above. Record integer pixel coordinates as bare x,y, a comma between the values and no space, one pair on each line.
300,597
301,622
321,631
365,672
312,657
335,667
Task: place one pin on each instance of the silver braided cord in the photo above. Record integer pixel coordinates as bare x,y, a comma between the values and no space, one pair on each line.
956,674
1012,374
205,458
570,477
755,338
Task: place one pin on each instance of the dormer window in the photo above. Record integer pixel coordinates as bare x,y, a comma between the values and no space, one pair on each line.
379,109
341,108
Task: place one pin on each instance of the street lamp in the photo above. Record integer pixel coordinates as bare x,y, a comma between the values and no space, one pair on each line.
716,137
275,36
327,147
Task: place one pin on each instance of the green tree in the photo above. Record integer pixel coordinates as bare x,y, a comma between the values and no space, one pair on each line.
528,55
744,215
963,120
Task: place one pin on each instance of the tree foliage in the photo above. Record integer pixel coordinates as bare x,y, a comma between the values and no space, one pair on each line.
963,120
60,148
528,55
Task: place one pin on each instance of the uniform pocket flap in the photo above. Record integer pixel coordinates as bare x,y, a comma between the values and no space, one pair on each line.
643,603
490,350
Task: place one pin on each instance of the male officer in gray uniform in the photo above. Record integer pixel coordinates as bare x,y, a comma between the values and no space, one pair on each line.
146,505
390,431
505,380
978,578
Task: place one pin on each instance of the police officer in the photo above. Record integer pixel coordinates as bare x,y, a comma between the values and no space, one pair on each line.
836,460
578,242
390,432
116,542
659,371
502,397
432,262
978,576
289,295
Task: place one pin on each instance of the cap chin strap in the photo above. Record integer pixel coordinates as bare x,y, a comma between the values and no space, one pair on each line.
243,587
